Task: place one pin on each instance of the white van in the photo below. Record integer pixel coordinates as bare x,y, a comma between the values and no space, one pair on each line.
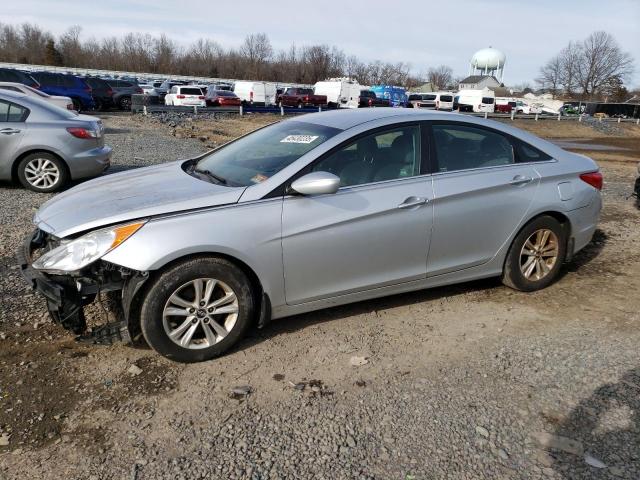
255,93
340,92
476,100
444,101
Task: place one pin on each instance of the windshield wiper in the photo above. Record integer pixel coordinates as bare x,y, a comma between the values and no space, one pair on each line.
210,174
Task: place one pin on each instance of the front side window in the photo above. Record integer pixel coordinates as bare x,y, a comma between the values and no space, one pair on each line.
386,155
460,147
260,155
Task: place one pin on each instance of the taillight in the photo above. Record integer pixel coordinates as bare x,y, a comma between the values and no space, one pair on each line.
306,99
88,89
251,95
80,132
370,102
593,178
180,96
139,90
201,97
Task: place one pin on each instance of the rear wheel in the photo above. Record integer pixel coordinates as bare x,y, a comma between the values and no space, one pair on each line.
536,255
125,103
197,310
42,172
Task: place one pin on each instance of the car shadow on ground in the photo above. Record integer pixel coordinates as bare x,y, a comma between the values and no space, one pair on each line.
587,254
326,315
607,427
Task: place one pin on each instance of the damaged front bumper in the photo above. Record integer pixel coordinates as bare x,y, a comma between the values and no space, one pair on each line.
67,295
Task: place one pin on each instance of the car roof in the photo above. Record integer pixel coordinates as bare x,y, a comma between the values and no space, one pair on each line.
14,95
345,119
12,84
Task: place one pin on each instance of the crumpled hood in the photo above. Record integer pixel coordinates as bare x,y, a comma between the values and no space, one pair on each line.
139,193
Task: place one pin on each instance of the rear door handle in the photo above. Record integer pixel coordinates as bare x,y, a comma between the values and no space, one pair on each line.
412,202
9,131
520,180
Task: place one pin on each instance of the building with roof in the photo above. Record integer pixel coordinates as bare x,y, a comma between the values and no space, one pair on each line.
478,82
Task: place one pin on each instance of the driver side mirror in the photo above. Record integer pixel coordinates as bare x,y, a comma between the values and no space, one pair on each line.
316,183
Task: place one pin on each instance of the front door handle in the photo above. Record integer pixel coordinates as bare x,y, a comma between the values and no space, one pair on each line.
412,202
520,180
9,131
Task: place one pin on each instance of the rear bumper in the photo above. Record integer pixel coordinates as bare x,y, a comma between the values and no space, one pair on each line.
584,222
90,163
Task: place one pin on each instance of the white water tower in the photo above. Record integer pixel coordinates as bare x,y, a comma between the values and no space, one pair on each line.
488,61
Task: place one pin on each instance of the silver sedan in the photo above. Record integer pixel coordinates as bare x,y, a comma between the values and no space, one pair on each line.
312,212
45,146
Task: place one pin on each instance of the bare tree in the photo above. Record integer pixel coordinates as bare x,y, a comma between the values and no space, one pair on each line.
602,59
550,75
440,76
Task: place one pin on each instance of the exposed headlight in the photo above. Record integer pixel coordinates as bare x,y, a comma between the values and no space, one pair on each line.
82,251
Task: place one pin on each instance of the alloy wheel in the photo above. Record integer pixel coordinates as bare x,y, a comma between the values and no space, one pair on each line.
200,313
42,173
539,254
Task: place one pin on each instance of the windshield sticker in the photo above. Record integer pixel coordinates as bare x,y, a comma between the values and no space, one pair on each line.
259,178
299,139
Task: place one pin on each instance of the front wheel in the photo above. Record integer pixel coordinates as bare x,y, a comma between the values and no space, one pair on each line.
125,103
197,310
536,255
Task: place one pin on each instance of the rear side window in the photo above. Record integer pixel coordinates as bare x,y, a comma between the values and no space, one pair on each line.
10,112
460,147
527,153
8,76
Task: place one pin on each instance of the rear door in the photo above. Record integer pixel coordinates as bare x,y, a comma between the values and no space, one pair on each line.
481,195
12,131
373,232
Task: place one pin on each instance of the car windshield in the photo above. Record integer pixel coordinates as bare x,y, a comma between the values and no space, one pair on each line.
255,157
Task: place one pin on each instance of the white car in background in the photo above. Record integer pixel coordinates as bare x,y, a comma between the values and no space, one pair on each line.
58,101
185,96
148,89
522,107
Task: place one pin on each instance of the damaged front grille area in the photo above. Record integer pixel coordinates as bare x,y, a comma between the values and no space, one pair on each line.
67,295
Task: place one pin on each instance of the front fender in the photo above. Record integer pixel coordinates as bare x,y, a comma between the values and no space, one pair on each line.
249,232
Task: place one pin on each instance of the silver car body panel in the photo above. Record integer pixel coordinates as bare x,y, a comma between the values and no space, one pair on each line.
45,130
318,251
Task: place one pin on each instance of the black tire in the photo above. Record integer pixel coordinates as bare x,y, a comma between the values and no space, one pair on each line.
62,172
125,103
77,105
98,104
513,276
157,296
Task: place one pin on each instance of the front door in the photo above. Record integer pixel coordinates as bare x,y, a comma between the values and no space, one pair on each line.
373,232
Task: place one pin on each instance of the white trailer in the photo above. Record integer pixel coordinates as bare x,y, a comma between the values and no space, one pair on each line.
340,92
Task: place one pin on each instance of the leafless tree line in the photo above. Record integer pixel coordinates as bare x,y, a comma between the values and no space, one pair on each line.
594,67
255,58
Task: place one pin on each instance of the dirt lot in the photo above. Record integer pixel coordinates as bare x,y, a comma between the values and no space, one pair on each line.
470,381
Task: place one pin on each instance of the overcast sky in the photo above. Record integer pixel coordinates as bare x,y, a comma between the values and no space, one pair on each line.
420,32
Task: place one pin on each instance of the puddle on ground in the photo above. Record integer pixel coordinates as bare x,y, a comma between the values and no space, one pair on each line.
577,144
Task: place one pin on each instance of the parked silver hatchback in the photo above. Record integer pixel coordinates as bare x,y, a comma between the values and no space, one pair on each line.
312,212
45,146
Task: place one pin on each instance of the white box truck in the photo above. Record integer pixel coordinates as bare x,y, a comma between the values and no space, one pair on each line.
475,100
340,92
255,93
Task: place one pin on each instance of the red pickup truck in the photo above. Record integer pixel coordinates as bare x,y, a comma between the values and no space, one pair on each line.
301,97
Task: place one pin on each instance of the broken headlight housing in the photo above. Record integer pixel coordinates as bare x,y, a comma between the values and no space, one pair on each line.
76,254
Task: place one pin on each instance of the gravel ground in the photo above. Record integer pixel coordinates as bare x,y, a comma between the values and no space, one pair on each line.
467,382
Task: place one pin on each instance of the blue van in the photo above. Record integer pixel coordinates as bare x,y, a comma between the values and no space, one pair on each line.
397,96
68,86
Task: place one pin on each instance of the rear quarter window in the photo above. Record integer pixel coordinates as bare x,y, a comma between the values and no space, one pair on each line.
529,153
